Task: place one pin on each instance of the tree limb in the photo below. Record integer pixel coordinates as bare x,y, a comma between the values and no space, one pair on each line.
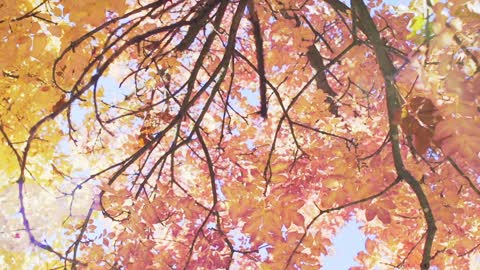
362,16
257,34
316,61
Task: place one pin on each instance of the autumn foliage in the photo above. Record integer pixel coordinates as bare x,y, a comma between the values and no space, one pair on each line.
243,134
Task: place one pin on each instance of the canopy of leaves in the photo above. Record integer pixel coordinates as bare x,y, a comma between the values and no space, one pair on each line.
220,134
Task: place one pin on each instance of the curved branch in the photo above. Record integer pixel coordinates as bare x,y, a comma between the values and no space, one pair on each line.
326,211
362,17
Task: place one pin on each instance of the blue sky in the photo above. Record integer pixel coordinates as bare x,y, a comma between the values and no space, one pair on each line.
348,242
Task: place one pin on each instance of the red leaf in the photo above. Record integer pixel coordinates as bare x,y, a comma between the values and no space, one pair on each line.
370,213
384,216
422,140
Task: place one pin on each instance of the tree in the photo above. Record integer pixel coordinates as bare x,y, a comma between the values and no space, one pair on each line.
238,134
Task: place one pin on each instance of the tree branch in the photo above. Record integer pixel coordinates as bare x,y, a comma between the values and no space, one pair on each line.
362,17
316,61
340,207
257,34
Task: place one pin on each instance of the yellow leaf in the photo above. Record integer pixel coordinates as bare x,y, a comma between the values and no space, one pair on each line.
39,43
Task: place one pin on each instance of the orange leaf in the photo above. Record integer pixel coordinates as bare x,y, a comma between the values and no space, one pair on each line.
370,245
